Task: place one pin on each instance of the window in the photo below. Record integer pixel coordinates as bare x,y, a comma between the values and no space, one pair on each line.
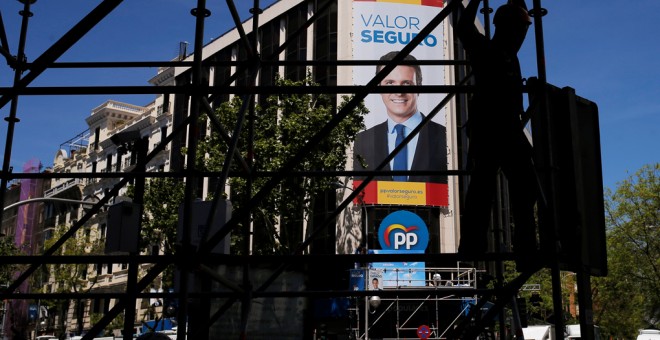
97,136
118,165
102,229
166,103
96,306
325,45
108,163
297,50
221,75
163,134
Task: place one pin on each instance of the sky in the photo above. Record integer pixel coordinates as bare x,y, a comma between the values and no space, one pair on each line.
608,53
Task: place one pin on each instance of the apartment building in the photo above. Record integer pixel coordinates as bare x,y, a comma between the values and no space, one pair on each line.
95,152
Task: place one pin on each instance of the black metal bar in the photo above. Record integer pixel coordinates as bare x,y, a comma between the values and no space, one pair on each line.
142,146
238,90
63,44
448,259
4,43
408,292
181,174
200,13
239,27
265,62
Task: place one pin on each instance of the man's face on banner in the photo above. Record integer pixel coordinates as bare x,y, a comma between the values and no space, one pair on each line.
400,106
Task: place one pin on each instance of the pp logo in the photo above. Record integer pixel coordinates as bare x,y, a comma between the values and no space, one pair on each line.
403,231
403,237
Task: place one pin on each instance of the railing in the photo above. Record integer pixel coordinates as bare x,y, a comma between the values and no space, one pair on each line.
111,104
64,186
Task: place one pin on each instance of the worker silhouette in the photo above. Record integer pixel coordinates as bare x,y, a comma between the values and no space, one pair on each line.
495,131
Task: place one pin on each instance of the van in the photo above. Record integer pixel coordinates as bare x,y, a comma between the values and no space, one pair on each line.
572,332
539,332
649,334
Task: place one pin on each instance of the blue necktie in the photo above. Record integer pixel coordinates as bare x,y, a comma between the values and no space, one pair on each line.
401,158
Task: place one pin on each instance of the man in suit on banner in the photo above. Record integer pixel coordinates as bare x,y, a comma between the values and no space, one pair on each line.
426,151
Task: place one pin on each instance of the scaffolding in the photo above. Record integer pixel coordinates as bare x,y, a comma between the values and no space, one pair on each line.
487,301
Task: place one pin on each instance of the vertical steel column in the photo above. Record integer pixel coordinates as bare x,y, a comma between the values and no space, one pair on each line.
246,302
486,10
200,13
553,214
12,119
141,146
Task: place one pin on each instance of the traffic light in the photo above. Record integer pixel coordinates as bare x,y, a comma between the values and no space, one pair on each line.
170,305
535,299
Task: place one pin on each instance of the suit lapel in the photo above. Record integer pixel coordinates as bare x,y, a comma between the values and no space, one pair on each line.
380,145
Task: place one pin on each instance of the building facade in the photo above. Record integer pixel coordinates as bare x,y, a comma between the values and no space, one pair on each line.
89,153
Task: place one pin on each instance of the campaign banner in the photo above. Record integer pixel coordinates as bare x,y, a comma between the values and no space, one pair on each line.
381,29
356,280
403,193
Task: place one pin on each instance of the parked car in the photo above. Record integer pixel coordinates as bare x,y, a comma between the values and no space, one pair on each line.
540,332
649,334
573,332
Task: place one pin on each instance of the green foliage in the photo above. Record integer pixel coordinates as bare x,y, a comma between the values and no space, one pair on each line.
160,217
117,322
7,270
74,277
629,297
163,196
539,302
281,128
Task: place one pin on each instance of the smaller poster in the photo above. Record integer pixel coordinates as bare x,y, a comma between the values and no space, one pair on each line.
398,274
356,280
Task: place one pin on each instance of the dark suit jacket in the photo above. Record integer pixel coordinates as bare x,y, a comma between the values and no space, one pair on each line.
430,154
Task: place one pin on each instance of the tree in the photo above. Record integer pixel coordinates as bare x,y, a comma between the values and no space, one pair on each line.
629,297
74,278
163,196
538,294
281,128
160,218
8,270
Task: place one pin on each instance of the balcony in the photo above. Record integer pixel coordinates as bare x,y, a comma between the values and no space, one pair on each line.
73,182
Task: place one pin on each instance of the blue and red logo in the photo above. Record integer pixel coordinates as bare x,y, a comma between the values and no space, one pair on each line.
403,231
